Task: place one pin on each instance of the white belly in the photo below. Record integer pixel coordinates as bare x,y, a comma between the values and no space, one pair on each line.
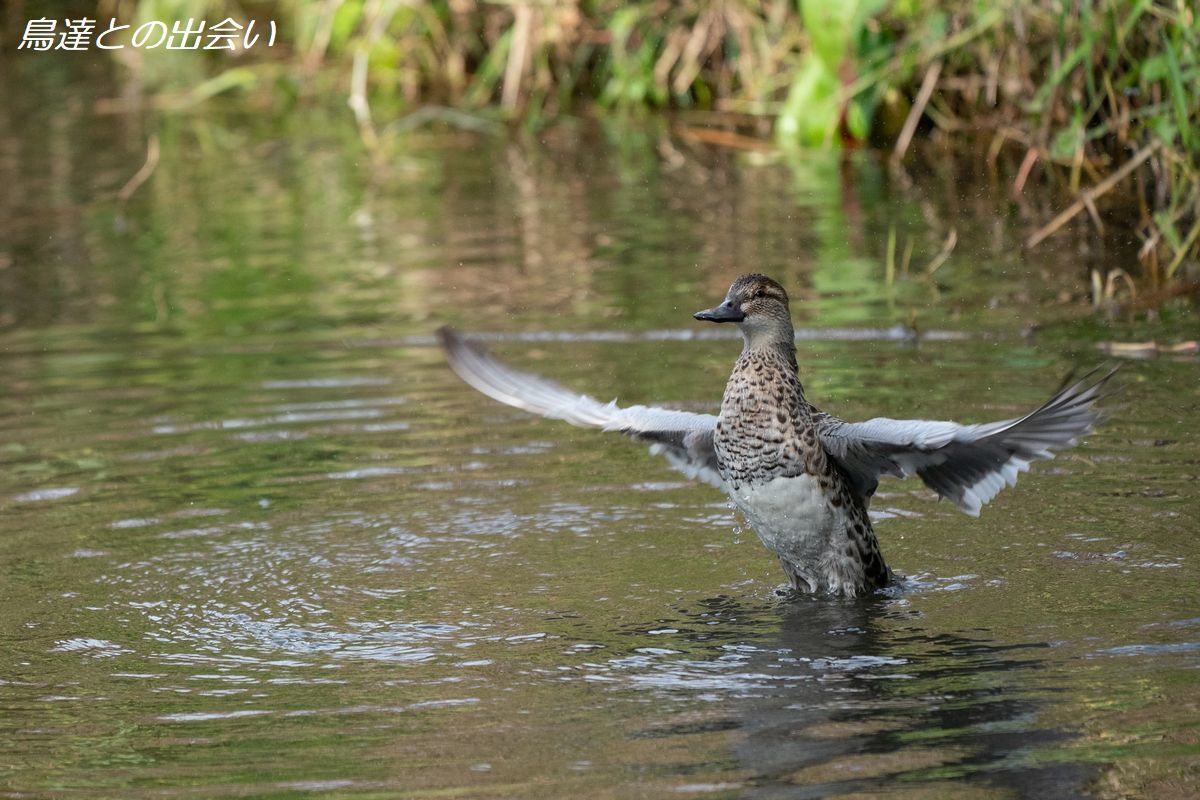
792,516
796,520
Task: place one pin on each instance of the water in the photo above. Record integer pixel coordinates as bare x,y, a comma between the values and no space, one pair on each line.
257,540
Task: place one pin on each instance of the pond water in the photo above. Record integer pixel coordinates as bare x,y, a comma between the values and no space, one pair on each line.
257,540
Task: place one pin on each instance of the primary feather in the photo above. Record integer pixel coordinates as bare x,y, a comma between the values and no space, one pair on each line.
683,437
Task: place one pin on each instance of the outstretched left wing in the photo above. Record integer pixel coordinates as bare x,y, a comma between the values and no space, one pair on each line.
685,438
967,464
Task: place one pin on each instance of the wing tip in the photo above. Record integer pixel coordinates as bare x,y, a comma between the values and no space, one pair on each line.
453,343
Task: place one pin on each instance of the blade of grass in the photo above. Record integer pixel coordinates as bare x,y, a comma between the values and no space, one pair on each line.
1179,95
1193,234
1090,195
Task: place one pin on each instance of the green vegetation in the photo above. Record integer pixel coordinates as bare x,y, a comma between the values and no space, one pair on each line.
1099,99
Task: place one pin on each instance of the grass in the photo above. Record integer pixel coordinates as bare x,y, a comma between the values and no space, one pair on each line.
1097,99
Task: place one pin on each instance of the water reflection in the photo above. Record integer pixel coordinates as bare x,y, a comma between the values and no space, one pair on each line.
821,697
299,232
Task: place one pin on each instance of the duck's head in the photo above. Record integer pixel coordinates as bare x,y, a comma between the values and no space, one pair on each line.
757,304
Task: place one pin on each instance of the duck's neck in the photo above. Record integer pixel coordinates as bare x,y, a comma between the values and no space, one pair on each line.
776,339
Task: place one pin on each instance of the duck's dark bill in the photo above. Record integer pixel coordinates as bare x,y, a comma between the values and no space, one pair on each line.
726,312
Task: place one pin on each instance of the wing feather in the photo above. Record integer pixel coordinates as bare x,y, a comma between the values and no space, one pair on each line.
967,464
685,438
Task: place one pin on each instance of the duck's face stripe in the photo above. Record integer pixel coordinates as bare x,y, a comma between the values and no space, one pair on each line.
758,294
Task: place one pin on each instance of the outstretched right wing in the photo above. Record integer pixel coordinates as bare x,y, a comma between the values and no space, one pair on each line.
966,464
685,438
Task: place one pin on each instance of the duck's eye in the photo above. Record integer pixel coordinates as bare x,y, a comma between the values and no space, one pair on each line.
759,294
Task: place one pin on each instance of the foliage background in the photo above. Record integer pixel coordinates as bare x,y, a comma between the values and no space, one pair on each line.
1098,100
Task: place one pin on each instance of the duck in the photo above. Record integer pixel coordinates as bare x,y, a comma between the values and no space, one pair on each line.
803,479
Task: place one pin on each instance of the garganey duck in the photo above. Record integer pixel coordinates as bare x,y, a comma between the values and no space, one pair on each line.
803,479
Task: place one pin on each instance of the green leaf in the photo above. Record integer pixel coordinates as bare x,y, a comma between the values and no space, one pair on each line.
858,121
810,115
1068,141
1153,69
831,27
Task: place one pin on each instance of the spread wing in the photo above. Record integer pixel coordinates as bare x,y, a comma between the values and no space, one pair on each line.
686,439
967,464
